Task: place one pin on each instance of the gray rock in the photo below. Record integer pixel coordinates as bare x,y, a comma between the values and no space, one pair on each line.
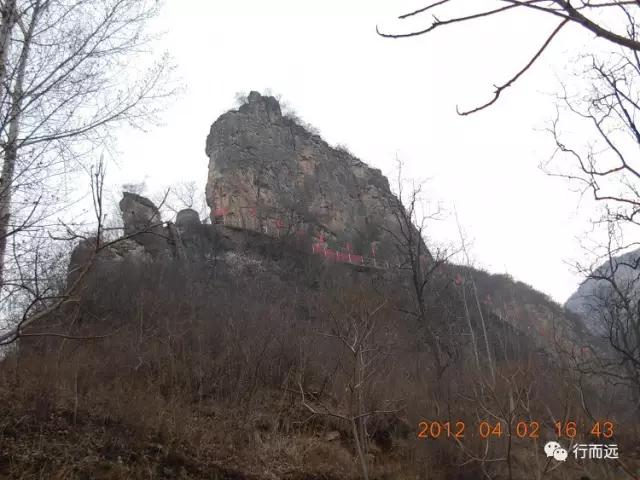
148,239
81,256
128,250
267,175
139,214
85,257
143,223
187,217
270,174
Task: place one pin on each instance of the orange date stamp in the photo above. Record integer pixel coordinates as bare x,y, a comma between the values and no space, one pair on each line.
521,429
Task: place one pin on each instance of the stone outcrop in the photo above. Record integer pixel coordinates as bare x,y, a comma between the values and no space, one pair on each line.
148,238
268,177
270,174
139,214
187,218
142,222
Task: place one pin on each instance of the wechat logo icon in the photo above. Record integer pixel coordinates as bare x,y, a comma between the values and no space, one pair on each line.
555,450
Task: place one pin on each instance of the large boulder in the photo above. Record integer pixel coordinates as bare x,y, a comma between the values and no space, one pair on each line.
145,239
139,214
199,241
268,173
187,218
143,223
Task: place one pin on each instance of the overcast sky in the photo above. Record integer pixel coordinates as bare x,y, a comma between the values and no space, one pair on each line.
384,98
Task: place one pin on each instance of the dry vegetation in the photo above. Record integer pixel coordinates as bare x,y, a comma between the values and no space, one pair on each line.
215,371
256,368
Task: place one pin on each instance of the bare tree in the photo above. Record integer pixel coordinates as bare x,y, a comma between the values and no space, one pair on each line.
469,279
63,89
184,195
611,304
421,263
38,297
590,15
604,167
602,105
47,280
354,324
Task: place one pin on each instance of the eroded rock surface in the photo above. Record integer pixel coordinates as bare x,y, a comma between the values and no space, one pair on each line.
270,174
148,238
187,218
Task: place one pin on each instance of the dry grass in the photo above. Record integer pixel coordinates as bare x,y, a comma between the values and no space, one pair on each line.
199,381
50,431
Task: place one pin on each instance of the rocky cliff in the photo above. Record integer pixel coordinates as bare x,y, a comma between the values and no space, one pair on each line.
270,174
269,177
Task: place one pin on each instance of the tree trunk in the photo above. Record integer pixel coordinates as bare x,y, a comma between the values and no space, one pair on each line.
11,145
471,330
361,457
8,167
9,17
484,331
362,427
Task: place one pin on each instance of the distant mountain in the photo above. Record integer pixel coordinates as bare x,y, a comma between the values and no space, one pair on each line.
590,299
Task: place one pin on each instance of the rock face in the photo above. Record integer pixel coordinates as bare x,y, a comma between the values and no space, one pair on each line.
187,218
270,174
139,214
141,219
269,177
148,238
592,296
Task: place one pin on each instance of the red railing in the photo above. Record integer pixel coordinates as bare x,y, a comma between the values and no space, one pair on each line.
225,216
342,257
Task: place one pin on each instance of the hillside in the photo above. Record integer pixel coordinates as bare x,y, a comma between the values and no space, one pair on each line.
305,332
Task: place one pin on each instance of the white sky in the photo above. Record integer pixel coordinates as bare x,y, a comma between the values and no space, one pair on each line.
381,98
